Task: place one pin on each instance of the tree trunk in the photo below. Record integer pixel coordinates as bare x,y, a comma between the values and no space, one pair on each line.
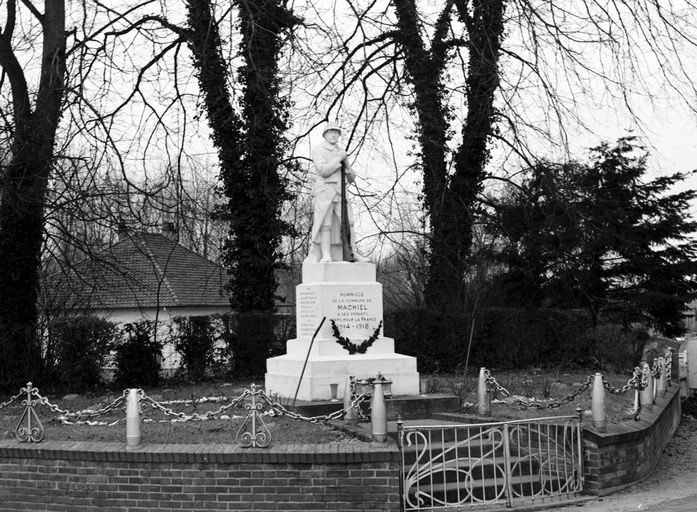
24,184
250,147
451,201
424,73
452,245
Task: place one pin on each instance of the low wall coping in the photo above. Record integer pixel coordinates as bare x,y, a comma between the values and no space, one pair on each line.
330,453
630,430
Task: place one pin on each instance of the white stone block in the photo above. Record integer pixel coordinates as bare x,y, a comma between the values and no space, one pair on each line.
330,347
338,272
283,374
356,308
348,294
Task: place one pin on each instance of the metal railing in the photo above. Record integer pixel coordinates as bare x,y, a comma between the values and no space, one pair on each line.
648,381
252,432
505,463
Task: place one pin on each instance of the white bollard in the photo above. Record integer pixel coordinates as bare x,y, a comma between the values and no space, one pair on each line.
378,415
350,417
599,418
691,362
662,383
646,395
133,418
483,397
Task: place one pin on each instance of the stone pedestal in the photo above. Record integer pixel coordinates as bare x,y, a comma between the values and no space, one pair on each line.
348,294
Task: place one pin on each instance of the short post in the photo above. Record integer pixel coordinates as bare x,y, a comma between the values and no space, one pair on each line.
646,395
350,415
636,407
674,365
599,419
378,414
654,384
483,396
662,383
133,418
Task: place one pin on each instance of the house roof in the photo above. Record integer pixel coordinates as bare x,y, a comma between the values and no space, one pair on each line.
147,270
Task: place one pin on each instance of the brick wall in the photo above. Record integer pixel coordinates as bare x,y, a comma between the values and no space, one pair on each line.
628,452
69,476
106,477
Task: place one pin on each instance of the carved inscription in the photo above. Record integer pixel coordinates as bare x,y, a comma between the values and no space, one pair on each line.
309,312
354,311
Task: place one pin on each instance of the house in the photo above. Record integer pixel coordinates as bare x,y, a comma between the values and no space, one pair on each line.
144,276
147,276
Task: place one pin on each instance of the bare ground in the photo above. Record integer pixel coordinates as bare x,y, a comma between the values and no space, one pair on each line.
670,486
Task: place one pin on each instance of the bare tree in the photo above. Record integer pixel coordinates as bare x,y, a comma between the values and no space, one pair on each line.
35,114
512,76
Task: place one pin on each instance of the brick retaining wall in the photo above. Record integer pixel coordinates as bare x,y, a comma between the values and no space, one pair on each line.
629,451
84,476
72,476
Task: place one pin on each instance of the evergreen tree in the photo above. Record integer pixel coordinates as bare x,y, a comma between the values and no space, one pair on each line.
602,237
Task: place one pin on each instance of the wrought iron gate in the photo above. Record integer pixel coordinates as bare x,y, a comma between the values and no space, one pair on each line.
507,463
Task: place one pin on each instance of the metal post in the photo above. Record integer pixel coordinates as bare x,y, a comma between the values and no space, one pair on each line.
402,471
646,395
378,414
662,387
133,418
350,414
598,404
483,397
300,380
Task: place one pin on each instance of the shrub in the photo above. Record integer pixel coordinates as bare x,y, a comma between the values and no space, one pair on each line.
138,356
193,338
618,347
251,339
502,337
76,350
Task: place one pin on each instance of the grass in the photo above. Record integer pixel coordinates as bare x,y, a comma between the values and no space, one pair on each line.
157,427
543,385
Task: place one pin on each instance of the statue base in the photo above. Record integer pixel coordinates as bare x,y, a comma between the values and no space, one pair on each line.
322,371
348,295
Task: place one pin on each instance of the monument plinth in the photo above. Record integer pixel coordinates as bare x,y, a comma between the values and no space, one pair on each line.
349,295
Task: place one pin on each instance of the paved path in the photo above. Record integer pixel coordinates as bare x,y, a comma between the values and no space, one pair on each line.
672,487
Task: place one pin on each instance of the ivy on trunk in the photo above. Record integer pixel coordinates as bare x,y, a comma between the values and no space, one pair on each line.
450,198
249,140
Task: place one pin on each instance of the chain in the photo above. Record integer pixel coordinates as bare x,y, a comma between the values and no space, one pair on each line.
180,416
281,410
668,354
17,396
493,384
637,381
92,423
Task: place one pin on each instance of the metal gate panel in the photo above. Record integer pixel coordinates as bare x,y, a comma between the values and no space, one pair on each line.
506,463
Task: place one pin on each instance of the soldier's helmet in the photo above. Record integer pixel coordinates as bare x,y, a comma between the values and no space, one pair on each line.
331,126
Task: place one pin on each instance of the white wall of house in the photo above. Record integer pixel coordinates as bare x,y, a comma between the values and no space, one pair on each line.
165,314
171,359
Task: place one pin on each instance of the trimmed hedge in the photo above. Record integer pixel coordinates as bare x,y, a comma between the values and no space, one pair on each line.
76,349
138,356
502,337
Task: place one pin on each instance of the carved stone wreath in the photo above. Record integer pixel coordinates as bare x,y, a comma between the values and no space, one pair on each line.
355,348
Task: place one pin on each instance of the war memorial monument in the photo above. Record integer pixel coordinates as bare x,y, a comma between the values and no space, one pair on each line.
339,287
